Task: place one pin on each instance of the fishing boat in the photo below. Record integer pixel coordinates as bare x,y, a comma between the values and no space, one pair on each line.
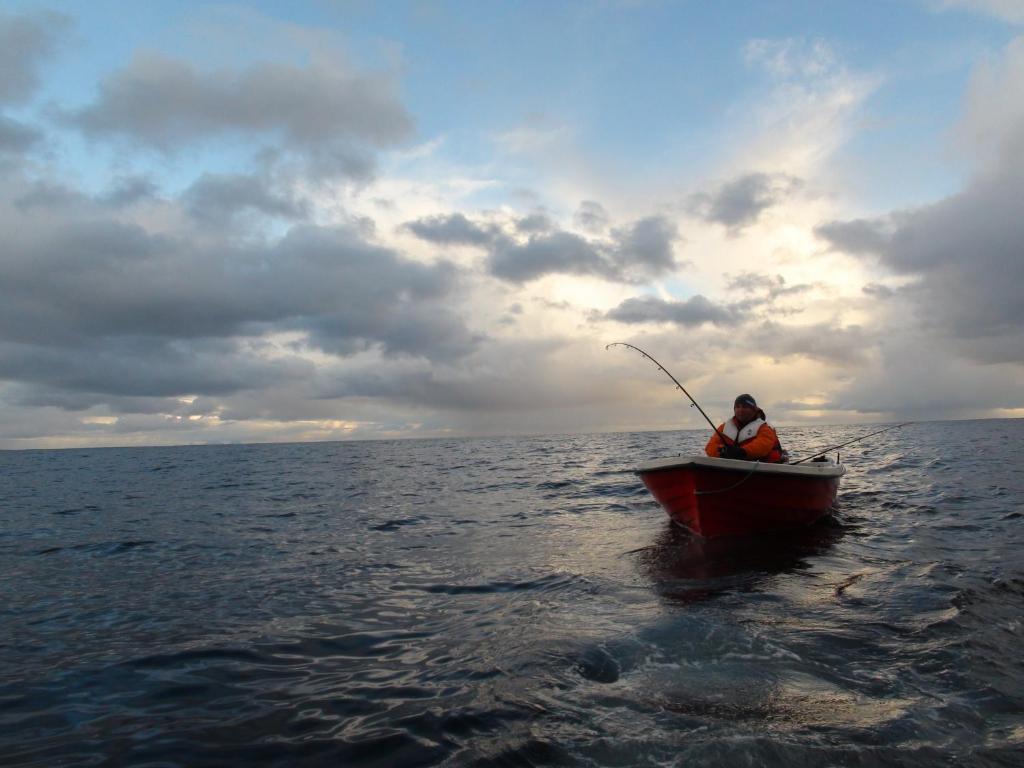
736,497
731,497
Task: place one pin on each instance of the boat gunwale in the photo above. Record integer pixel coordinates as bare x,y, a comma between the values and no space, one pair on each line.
810,471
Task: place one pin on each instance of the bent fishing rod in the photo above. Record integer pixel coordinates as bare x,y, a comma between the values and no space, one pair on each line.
849,442
675,380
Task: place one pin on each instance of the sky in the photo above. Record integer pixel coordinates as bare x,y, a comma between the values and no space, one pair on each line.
339,220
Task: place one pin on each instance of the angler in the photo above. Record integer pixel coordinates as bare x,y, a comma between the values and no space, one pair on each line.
747,435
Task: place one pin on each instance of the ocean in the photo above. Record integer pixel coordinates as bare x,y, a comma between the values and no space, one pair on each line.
507,602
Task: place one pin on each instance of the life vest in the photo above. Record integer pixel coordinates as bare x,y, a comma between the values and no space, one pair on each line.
737,436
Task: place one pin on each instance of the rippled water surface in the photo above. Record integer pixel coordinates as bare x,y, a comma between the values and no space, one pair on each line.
507,602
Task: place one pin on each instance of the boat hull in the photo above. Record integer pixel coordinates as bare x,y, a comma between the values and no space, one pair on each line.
726,497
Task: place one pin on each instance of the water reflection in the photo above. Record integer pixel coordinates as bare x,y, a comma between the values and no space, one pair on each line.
685,568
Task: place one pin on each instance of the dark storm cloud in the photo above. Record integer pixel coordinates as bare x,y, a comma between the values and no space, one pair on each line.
453,229
16,137
214,199
325,113
692,312
739,203
25,42
967,252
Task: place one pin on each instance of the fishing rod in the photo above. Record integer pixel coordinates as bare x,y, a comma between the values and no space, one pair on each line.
848,442
675,380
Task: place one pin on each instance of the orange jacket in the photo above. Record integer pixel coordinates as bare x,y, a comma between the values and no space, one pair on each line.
763,445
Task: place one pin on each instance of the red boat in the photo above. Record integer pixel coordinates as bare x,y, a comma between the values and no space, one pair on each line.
729,497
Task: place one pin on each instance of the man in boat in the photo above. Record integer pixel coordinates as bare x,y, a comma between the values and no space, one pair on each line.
748,435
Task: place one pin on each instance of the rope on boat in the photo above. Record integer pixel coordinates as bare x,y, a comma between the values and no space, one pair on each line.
746,477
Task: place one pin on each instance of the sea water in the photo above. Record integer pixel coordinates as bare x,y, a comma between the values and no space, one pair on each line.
512,601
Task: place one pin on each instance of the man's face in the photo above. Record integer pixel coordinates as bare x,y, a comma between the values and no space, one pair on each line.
744,413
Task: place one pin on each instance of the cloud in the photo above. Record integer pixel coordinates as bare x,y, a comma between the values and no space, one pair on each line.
878,291
739,203
644,249
992,128
858,237
912,381
772,286
633,253
55,198
763,290
452,229
636,253
215,199
141,367
25,42
693,312
448,389
791,58
557,252
1008,10
800,112
535,222
828,343
128,190
502,376
34,393
323,112
16,137
591,217
49,195
87,277
964,251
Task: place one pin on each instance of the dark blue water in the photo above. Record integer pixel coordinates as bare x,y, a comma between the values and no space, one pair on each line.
506,602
